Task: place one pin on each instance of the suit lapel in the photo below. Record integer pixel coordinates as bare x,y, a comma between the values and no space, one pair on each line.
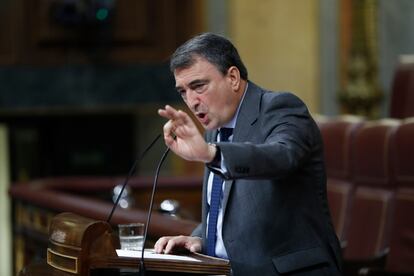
210,137
248,115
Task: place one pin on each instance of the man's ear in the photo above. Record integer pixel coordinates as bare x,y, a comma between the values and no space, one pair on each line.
234,77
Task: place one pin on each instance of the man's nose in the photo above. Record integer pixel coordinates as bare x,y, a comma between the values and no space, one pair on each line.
192,99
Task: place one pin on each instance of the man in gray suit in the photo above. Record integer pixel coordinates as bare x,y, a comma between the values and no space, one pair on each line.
272,216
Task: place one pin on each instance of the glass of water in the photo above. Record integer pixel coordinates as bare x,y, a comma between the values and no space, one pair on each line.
131,235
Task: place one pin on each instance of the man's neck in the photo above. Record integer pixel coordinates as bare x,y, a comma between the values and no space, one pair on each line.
232,122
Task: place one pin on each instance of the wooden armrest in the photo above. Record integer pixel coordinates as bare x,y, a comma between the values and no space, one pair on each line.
353,266
382,272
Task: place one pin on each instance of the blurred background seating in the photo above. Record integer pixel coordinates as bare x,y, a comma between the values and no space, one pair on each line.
370,191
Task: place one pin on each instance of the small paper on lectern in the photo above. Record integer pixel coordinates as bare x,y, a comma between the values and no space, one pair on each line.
150,254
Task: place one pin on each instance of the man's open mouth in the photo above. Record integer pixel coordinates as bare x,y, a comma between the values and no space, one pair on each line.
201,116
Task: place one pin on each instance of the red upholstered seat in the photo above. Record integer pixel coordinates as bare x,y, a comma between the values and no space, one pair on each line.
400,260
371,216
339,199
402,154
371,154
401,255
337,134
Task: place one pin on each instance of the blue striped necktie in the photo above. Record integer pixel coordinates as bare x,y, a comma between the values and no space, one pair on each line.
216,192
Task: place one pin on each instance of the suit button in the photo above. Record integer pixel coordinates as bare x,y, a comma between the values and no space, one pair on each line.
242,170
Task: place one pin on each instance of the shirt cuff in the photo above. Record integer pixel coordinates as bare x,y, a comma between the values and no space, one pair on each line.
217,157
217,164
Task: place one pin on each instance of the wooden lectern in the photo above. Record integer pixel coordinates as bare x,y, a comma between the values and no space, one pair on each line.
74,241
78,245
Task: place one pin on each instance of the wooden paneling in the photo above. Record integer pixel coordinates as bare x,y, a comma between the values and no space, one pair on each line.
138,31
8,28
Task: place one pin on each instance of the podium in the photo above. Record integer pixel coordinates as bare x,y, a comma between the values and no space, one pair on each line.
79,245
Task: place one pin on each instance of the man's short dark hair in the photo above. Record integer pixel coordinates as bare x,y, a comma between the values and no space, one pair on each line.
216,49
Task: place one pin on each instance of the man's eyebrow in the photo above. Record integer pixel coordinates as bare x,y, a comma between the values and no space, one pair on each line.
192,83
198,81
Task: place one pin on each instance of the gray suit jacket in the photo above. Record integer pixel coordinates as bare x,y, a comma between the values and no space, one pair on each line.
276,218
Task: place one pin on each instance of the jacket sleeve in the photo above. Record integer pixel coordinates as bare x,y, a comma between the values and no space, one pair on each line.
197,231
285,136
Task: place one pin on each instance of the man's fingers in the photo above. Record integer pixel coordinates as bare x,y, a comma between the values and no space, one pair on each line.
168,112
195,248
175,114
163,113
194,244
178,122
168,130
183,117
160,244
167,244
171,113
170,245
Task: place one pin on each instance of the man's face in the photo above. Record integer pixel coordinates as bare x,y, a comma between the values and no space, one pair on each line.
209,94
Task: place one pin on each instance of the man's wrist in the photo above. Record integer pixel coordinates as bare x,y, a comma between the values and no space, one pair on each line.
215,154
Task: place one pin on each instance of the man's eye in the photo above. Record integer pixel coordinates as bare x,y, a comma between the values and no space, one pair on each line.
199,88
181,92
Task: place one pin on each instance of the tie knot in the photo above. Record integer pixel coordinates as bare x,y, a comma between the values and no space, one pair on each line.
225,133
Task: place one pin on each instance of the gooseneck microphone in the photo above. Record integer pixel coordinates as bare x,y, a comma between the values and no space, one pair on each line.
157,172
130,173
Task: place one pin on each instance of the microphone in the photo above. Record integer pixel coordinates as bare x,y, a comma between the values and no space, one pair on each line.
154,185
130,173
